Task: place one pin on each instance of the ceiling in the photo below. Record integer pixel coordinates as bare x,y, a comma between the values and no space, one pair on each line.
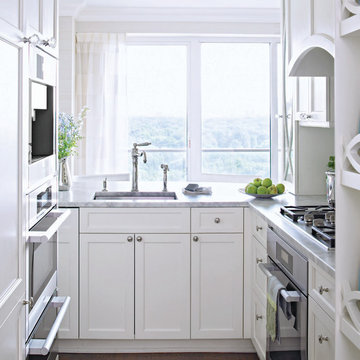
174,10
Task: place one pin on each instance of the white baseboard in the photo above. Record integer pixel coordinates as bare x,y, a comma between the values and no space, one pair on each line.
152,346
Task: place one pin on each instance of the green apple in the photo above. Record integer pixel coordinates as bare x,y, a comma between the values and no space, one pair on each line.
280,188
272,189
266,182
251,189
257,182
261,190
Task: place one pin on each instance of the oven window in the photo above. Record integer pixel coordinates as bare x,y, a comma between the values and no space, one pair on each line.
44,200
43,264
284,257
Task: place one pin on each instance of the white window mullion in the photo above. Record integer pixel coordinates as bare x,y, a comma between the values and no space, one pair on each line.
274,111
194,112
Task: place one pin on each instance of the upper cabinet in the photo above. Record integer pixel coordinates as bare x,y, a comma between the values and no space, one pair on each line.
41,25
310,25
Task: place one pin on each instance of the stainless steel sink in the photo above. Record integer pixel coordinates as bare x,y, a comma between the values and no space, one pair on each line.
141,195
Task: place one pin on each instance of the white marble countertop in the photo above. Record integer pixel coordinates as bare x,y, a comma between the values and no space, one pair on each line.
223,195
296,237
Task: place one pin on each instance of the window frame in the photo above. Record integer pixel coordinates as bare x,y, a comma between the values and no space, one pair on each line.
193,150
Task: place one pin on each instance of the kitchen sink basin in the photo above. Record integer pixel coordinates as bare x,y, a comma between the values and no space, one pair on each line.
129,195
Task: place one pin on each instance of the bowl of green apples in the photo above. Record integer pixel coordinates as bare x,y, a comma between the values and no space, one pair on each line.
263,188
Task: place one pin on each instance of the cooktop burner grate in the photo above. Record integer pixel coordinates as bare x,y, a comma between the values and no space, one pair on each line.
296,213
325,234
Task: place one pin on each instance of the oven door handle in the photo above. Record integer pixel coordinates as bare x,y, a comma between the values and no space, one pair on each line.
35,236
43,346
288,296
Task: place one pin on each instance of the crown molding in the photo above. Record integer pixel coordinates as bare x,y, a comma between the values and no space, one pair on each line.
254,15
71,8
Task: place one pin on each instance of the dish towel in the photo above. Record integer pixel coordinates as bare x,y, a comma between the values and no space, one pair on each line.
272,314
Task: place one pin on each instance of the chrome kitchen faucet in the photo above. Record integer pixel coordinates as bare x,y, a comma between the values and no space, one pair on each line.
135,153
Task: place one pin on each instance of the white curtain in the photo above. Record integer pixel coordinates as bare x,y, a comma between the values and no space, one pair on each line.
100,85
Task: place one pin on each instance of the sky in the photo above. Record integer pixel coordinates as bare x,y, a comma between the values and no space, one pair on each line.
234,80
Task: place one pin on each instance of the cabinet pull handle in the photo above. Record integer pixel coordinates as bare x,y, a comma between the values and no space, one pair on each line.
258,317
129,238
258,228
29,302
304,116
33,39
139,238
259,260
323,338
323,289
217,220
196,238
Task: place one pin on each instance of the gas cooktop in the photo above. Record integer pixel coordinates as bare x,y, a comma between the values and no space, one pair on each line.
318,221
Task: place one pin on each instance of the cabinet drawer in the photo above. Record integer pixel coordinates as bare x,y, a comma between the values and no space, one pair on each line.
259,228
259,256
217,220
321,333
322,289
121,220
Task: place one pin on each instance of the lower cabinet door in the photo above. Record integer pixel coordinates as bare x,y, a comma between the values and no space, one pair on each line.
321,333
258,328
68,279
107,286
216,286
162,286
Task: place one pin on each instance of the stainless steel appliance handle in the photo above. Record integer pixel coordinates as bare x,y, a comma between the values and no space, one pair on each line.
43,346
288,296
35,236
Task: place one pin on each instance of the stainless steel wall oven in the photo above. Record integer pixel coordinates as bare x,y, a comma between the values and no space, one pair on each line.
291,269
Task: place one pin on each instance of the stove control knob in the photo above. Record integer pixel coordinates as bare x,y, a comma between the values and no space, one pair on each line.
323,289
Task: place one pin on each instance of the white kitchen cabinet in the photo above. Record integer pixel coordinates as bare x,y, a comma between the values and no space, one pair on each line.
216,286
12,334
41,18
140,220
162,286
12,253
259,256
107,286
258,325
309,23
322,289
321,341
312,106
217,220
68,281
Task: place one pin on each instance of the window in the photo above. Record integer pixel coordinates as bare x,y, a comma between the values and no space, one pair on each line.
206,106
157,107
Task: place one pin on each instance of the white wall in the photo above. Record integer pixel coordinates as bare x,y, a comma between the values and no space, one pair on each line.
66,64
181,27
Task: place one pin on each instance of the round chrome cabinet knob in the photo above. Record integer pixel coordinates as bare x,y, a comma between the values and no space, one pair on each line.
217,220
139,238
129,238
196,238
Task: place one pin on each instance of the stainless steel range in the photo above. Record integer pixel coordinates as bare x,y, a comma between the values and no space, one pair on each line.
318,221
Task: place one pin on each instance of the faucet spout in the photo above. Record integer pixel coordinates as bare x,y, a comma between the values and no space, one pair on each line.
165,167
134,157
